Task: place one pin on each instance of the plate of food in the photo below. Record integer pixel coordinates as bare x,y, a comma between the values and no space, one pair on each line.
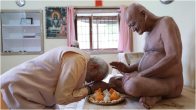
106,97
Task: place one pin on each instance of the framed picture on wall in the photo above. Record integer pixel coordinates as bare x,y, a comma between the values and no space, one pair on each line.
56,22
26,21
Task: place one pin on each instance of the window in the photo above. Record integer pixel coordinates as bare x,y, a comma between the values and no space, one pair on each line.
97,29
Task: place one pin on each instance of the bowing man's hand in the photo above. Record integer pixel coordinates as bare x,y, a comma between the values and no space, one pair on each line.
96,85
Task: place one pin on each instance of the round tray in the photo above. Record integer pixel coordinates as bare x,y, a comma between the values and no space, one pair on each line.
113,102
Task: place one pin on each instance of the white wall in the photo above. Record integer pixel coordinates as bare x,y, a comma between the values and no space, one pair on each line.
183,13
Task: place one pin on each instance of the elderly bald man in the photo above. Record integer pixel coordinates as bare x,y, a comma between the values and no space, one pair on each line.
56,77
159,73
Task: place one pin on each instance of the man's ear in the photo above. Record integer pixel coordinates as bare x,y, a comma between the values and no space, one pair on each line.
143,13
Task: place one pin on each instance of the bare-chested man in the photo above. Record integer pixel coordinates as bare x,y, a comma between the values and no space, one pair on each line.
159,73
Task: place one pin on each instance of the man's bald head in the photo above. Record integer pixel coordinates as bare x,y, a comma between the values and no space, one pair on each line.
134,9
136,18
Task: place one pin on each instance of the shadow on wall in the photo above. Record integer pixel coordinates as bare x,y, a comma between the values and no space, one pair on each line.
189,61
190,73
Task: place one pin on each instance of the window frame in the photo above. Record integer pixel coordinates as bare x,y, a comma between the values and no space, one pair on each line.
100,50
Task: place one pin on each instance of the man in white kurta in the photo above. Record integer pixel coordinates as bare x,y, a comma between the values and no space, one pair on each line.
56,77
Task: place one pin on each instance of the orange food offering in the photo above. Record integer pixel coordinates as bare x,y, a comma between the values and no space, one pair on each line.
99,96
111,90
114,96
98,90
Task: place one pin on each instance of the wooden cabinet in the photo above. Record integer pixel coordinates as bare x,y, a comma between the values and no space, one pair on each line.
21,32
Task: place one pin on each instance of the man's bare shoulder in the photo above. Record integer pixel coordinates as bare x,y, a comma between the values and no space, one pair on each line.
166,21
166,18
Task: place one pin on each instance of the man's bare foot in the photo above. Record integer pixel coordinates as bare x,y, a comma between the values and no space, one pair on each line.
149,102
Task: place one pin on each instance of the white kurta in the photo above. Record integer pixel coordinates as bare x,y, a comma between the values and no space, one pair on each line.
56,77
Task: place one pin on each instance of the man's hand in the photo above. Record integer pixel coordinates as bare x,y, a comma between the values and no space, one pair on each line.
120,66
96,85
116,83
